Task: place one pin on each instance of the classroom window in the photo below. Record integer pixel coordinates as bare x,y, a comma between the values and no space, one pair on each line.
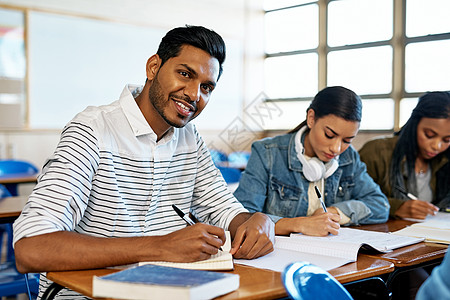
292,29
406,107
427,17
12,68
372,110
365,70
388,51
425,60
356,21
291,76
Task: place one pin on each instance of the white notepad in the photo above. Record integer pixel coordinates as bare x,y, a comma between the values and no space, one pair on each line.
223,260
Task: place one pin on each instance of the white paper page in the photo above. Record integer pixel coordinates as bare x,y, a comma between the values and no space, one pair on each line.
439,216
430,234
381,241
223,260
280,258
325,246
436,224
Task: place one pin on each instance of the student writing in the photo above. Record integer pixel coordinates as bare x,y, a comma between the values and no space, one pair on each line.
104,198
415,161
282,171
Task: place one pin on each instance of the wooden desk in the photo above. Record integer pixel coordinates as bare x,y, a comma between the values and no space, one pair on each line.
254,283
11,207
11,182
18,179
409,256
364,267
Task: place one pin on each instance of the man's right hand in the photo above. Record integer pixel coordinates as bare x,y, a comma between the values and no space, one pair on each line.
193,243
67,250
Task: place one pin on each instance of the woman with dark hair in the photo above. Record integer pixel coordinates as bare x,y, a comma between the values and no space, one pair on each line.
283,171
412,167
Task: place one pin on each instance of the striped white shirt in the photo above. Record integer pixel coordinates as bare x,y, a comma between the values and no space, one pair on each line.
109,177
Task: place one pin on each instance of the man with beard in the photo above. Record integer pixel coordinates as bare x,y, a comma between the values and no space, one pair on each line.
105,196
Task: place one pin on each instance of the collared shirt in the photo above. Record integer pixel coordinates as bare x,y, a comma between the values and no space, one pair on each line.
110,177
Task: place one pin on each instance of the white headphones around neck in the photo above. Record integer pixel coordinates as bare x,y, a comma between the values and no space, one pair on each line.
313,169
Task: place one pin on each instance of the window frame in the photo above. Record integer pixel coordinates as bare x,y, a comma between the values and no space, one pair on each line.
398,42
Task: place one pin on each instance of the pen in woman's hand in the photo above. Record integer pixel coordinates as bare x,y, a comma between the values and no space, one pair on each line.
404,192
320,198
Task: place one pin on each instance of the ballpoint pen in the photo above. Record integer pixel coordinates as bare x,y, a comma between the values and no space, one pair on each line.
411,196
404,192
320,198
185,217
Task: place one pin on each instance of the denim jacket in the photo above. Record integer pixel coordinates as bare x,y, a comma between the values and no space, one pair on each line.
273,183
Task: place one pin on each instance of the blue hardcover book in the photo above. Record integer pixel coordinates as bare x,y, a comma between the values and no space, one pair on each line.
158,282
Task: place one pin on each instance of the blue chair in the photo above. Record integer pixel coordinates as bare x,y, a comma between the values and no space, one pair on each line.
11,281
238,159
304,281
16,168
231,175
12,168
6,228
219,158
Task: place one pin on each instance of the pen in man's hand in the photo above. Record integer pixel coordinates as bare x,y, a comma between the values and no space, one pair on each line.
320,198
185,217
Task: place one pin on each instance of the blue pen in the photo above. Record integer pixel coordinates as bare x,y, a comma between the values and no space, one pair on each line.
320,198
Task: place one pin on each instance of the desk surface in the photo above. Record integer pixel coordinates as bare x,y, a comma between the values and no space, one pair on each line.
258,283
410,255
18,179
254,283
11,207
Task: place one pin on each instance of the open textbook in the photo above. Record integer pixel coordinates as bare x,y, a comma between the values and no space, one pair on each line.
327,252
435,230
223,260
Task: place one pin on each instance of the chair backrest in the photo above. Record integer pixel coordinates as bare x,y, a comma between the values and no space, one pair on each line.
218,157
11,167
231,175
4,192
13,283
238,159
304,281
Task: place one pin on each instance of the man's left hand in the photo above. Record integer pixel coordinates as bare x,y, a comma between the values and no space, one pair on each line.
254,237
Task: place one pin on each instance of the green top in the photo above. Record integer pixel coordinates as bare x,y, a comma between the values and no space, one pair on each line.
377,155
